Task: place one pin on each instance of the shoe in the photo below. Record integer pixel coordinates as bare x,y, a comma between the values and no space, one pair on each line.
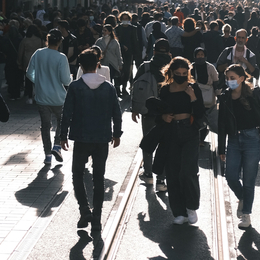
160,185
239,209
192,216
180,220
48,159
84,219
56,151
148,179
96,224
29,101
245,221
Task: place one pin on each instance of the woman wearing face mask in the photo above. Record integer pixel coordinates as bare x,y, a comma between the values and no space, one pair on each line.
178,149
239,119
206,76
111,51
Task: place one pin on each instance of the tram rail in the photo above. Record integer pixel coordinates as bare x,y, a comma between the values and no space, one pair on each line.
114,229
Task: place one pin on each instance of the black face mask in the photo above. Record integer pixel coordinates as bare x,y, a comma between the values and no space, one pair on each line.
180,79
200,61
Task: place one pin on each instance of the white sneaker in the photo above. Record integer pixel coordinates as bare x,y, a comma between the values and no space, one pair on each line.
245,221
239,209
192,216
180,220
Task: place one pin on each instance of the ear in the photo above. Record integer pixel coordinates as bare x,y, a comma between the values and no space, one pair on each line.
246,39
235,38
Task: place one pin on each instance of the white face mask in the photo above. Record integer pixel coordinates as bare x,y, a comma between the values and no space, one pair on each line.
106,35
230,17
125,22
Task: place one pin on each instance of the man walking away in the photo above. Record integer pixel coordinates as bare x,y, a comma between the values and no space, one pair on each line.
91,103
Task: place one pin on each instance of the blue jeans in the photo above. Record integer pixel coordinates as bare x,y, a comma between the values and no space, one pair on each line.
243,152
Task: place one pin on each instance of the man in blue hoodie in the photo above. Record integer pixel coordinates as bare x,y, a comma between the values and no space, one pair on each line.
90,106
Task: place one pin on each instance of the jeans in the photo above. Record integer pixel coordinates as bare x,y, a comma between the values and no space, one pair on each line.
243,152
182,168
46,115
99,153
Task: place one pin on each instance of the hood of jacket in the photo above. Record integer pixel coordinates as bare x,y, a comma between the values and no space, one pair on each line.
93,80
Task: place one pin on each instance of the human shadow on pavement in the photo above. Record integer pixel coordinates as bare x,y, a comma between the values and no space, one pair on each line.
249,245
175,241
42,191
76,252
108,186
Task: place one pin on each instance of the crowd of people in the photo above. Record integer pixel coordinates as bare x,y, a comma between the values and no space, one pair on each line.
82,59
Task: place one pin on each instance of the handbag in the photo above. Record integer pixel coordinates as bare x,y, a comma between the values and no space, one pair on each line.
207,93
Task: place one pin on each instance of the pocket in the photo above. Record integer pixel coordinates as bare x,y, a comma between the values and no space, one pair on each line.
252,133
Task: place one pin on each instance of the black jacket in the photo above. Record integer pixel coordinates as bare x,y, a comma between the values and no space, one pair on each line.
71,50
227,124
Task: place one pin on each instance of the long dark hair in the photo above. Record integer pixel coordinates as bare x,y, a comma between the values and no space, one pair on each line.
176,63
246,90
33,30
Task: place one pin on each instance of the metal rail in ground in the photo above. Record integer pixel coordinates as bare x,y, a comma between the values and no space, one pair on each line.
220,223
120,214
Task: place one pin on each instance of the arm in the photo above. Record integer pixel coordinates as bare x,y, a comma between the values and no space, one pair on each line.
75,51
222,63
119,55
249,63
144,39
30,73
67,113
4,116
64,69
189,34
195,94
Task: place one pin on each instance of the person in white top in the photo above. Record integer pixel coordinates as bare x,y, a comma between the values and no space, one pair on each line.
101,70
40,13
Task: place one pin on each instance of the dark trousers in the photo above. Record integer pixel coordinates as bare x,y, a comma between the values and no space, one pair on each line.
182,168
99,153
28,88
46,113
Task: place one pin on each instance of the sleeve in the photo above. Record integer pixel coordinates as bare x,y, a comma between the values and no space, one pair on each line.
118,54
117,116
221,127
144,39
140,72
30,73
222,59
75,51
67,113
213,72
198,108
108,74
66,78
4,114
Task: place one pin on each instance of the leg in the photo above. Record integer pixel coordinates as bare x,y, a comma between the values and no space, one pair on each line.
233,166
250,160
28,88
57,111
45,114
99,157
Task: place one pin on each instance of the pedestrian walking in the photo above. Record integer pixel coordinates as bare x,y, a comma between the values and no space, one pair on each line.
91,103
177,132
239,120
49,71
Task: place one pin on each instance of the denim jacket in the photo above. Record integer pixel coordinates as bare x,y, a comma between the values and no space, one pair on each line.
89,112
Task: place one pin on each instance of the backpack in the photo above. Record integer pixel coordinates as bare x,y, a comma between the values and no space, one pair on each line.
143,88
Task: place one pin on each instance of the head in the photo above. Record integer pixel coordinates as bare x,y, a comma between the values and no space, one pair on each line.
226,29
111,19
63,26
125,17
230,15
236,77
200,56
158,16
108,31
134,18
200,24
178,70
213,26
254,30
88,60
175,20
54,37
161,46
189,24
241,37
157,26
33,30
254,15
27,22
